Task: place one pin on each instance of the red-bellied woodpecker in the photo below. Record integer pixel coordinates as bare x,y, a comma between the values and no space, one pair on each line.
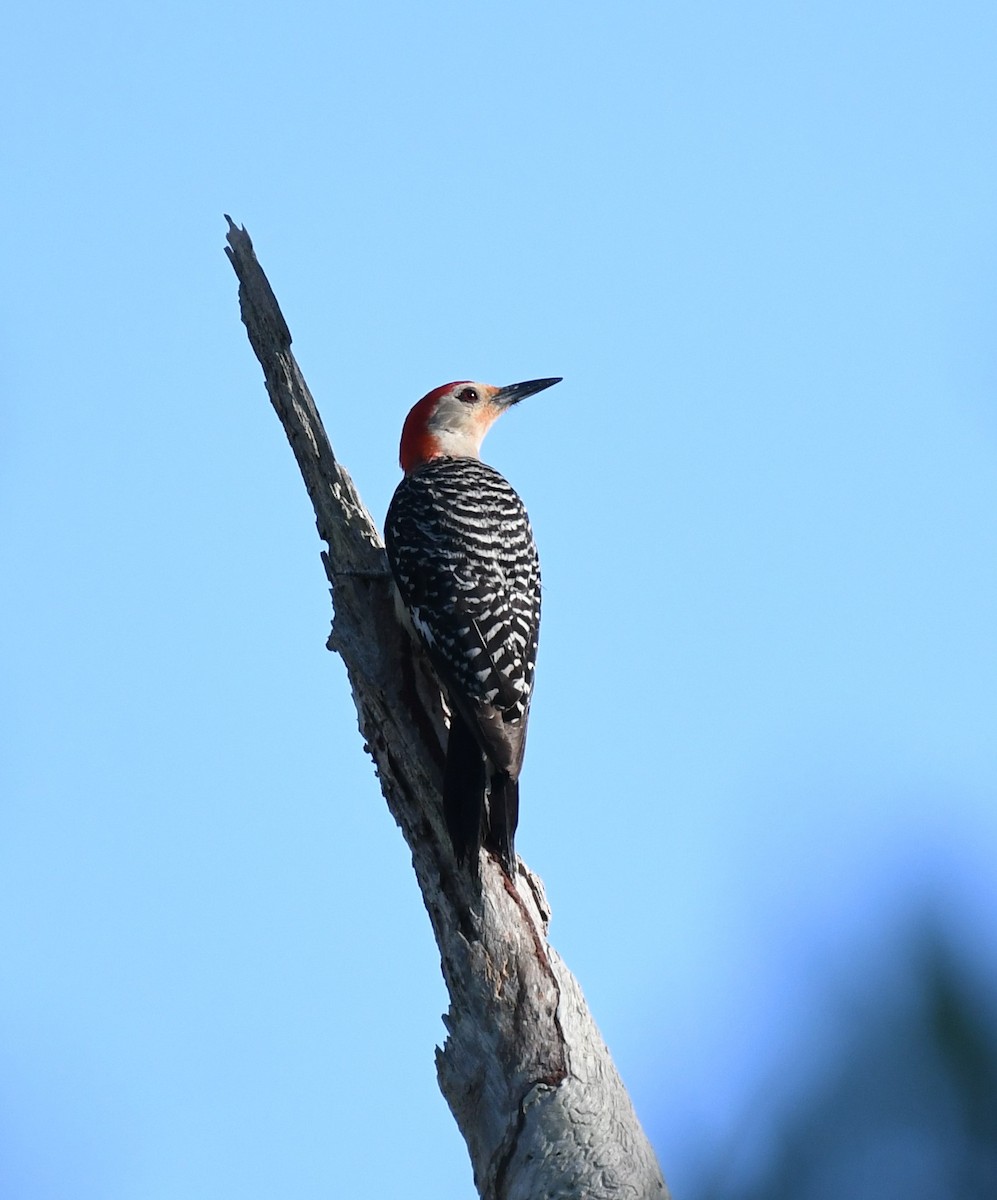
462,553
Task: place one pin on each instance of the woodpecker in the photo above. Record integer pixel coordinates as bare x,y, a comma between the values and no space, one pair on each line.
462,554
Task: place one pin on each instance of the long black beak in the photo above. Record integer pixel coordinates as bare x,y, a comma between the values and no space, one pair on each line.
514,392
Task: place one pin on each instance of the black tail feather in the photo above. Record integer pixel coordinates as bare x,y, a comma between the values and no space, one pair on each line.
464,790
503,817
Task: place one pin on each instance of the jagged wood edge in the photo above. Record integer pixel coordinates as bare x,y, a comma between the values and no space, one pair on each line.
524,1069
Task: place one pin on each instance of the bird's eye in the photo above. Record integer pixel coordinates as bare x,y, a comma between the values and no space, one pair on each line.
468,395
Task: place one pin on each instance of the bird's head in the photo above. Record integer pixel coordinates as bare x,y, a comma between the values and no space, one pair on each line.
452,420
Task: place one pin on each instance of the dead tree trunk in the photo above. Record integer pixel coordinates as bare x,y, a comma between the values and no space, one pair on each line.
524,1069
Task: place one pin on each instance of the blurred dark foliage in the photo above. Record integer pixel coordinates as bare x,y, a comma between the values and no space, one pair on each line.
907,1112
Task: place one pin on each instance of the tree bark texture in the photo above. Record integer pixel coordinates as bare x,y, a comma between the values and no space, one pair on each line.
524,1069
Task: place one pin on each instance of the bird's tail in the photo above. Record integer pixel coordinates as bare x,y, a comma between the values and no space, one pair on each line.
503,817
464,790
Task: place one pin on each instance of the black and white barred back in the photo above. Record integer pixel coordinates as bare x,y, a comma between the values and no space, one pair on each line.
462,553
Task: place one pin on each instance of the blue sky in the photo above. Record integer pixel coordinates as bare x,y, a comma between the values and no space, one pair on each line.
758,243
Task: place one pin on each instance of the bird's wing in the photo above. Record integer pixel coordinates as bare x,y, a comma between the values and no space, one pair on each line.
481,656
475,606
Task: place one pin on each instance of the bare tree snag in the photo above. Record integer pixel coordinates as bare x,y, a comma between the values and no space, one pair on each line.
524,1069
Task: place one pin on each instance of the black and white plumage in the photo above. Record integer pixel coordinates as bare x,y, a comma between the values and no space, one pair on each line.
463,556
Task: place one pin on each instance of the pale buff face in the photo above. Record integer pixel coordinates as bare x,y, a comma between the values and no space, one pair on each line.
463,416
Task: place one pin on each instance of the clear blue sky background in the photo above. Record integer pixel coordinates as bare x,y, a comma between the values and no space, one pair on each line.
759,243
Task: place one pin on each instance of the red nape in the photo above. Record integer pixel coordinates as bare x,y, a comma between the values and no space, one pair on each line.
418,444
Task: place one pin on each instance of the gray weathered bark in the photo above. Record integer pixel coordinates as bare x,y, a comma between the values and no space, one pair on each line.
524,1069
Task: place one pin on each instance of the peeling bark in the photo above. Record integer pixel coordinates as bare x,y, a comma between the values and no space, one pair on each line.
524,1069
